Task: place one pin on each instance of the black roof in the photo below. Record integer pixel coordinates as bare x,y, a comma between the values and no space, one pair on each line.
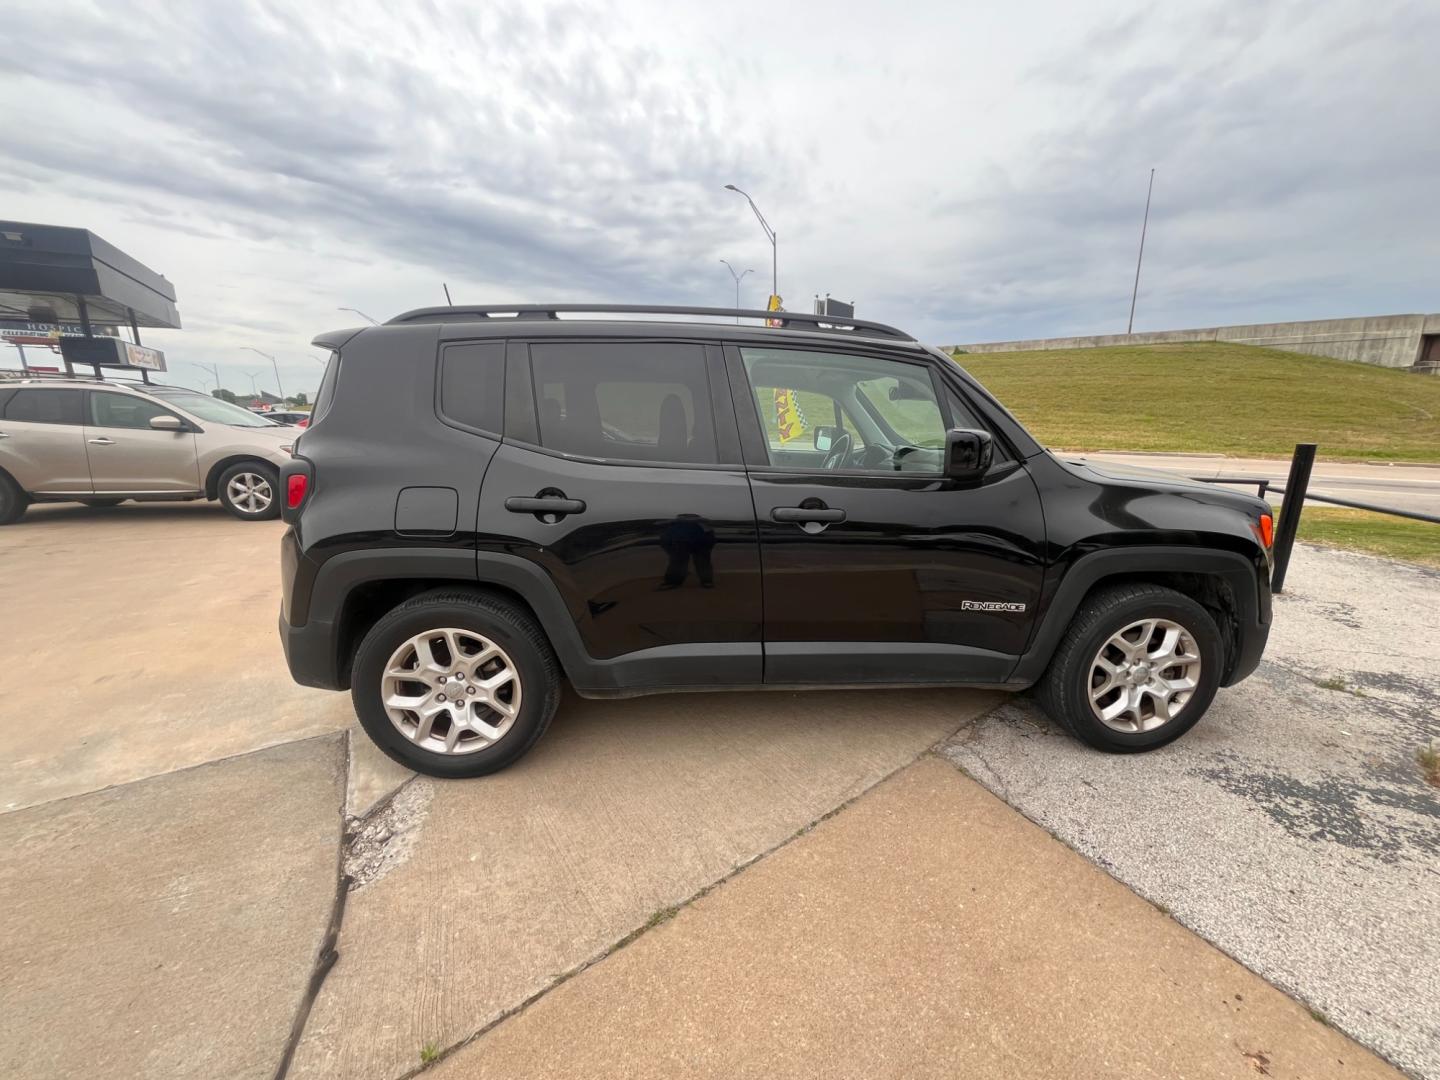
552,312
605,320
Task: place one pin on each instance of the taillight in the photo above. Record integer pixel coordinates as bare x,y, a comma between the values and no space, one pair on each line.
1267,530
295,488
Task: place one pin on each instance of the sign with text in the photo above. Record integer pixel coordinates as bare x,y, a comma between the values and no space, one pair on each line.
111,352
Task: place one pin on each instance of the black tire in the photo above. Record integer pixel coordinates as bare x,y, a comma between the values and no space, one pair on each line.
100,504
13,500
506,624
261,469
1064,690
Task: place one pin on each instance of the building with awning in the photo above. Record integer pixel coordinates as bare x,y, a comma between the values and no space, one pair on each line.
67,290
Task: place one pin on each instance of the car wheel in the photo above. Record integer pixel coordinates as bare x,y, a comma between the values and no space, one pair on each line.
102,503
1136,669
251,491
455,684
13,500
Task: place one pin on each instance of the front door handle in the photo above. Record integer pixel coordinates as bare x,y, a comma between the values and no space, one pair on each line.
557,505
3,435
102,441
804,515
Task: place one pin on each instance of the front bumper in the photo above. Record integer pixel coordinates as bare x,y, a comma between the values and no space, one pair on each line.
1252,632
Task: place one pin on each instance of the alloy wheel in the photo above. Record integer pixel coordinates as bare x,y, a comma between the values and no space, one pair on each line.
1144,675
451,691
250,492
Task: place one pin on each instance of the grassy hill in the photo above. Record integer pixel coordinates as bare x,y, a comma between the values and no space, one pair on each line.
1216,398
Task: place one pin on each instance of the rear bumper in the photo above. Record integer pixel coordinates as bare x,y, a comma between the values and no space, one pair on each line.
312,652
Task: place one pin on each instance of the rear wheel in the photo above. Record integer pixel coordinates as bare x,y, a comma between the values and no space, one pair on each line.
250,491
1137,669
455,684
13,500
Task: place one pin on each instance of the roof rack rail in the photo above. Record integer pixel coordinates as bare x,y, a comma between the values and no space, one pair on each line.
807,321
17,374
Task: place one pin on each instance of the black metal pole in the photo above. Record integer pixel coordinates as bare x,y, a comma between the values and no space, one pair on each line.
1143,226
84,325
1295,488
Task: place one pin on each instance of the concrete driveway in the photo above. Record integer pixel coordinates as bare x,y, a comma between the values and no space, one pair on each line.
189,840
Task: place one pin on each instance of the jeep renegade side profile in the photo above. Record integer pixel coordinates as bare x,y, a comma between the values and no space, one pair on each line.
488,501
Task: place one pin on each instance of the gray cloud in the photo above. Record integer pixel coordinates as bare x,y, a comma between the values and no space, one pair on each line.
971,174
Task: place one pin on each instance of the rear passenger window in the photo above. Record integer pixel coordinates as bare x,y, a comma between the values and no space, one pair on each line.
44,407
472,385
641,401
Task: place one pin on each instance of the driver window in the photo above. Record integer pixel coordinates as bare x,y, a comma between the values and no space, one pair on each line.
789,417
837,411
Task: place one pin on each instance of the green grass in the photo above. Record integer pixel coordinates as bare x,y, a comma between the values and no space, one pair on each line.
1377,534
1215,398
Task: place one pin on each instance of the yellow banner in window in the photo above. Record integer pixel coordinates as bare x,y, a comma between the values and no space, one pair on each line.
789,417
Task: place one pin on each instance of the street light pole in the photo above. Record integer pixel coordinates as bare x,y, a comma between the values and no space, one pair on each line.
274,365
1143,226
211,368
737,278
367,318
769,235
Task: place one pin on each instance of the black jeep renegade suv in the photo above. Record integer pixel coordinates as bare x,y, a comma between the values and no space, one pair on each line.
490,500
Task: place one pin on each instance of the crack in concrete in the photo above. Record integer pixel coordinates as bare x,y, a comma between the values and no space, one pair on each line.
327,954
387,834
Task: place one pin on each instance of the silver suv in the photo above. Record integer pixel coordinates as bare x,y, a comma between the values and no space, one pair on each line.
100,443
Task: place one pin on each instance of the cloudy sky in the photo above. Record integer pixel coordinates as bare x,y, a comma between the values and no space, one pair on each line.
971,171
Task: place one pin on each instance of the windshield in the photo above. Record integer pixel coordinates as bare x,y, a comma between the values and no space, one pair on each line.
212,408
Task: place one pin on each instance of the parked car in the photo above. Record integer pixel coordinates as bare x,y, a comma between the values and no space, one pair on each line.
287,419
484,506
100,442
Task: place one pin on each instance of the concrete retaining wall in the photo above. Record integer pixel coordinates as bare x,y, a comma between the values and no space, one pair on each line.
1387,340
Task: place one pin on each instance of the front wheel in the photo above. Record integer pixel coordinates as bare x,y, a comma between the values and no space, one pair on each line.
251,491
455,684
1137,669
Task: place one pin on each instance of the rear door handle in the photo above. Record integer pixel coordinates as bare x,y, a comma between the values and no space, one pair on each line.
102,441
804,515
517,504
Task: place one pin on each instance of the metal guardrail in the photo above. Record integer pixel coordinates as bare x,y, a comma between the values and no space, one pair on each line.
1289,524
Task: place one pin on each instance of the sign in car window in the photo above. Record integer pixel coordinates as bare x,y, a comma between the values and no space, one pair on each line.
789,416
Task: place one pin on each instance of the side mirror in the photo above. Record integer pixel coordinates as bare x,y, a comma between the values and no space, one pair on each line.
968,453
825,437
166,422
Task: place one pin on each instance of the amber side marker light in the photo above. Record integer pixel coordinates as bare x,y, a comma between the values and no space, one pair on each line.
1267,530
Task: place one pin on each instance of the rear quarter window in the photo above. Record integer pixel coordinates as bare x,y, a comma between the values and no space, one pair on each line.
472,385
45,406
